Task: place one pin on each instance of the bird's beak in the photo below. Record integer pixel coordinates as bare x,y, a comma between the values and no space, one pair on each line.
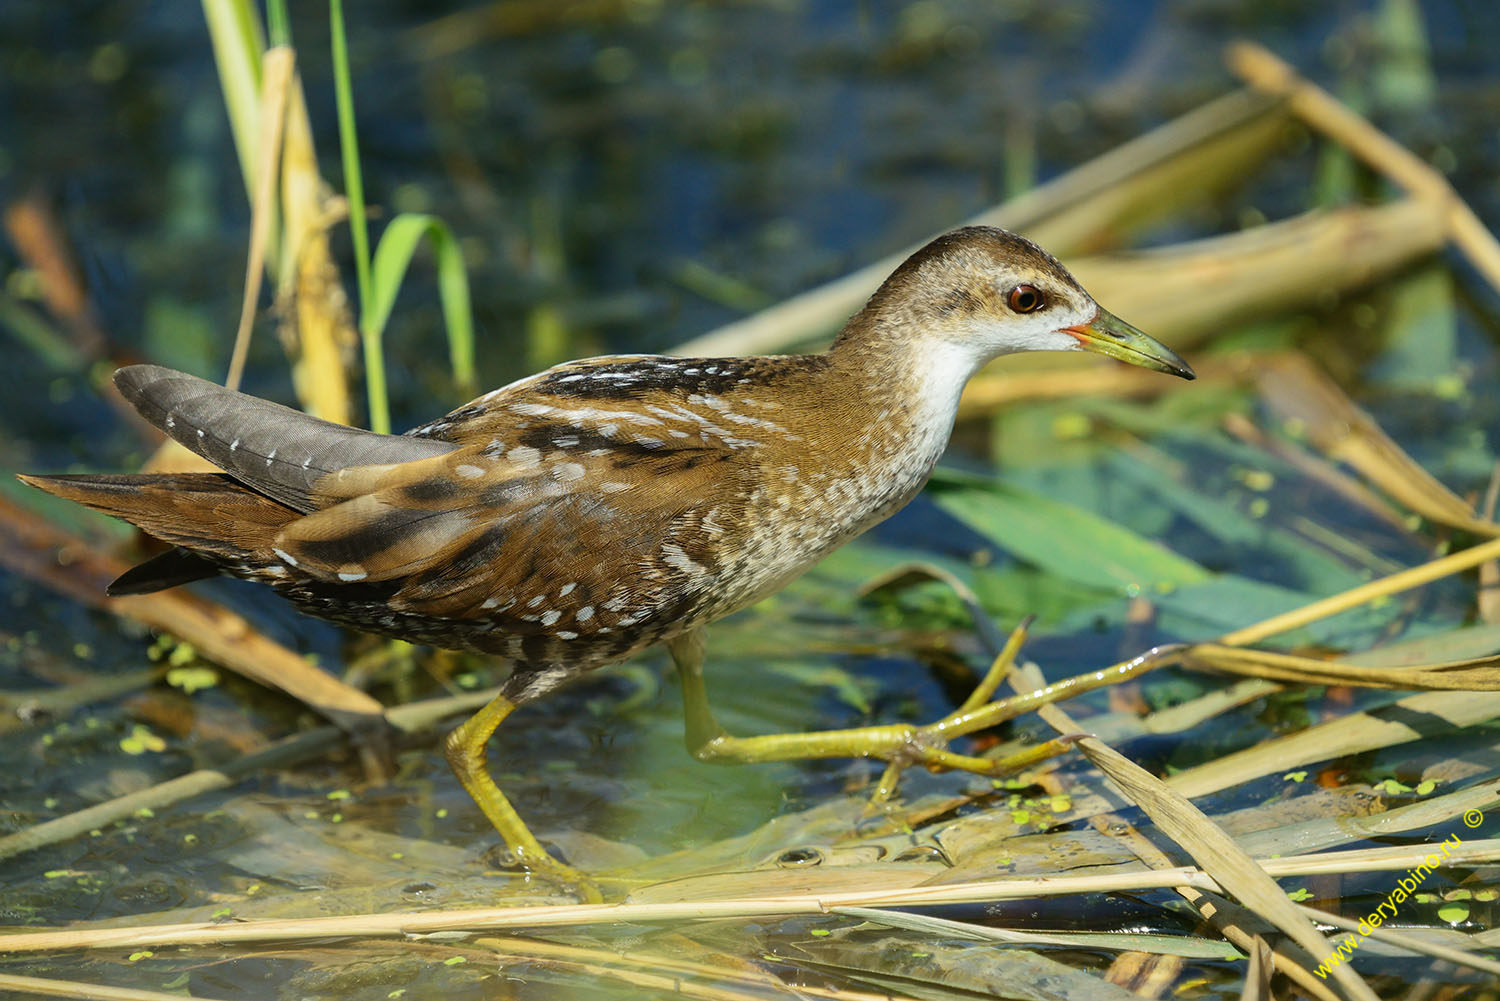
1109,335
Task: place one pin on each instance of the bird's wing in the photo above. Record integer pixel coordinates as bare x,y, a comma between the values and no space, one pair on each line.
272,449
545,506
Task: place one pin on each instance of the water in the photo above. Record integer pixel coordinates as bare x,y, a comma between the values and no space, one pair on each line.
624,176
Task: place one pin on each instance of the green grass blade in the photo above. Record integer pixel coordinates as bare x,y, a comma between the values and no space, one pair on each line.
277,22
234,29
354,185
392,257
1066,541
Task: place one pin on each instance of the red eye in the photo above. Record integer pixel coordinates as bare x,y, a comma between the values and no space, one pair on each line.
1026,299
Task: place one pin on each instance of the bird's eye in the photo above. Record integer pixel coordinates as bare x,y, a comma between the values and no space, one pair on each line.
1026,299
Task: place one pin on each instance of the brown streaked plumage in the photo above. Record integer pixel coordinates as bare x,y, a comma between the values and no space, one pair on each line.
587,512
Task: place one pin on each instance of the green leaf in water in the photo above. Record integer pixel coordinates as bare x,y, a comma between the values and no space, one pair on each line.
392,257
1067,541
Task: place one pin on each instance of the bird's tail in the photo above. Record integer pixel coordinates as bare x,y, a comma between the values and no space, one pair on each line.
209,515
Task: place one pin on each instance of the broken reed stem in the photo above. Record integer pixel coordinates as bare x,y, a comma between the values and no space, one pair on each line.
1405,580
278,66
1468,854
1410,943
409,718
76,990
1319,110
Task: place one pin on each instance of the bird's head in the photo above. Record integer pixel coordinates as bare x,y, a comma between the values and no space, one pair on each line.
983,292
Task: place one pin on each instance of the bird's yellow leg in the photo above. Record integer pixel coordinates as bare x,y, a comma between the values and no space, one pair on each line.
465,748
982,694
902,745
898,743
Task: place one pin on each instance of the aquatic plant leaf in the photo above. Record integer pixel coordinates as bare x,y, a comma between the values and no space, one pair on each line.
392,257
1065,540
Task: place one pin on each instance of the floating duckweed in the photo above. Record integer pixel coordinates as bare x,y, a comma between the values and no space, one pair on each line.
1454,913
141,740
145,813
1295,776
1020,816
182,655
192,679
136,957
441,813
821,932
455,961
1448,387
1072,426
1258,480
1061,803
339,794
221,913
1426,786
1300,893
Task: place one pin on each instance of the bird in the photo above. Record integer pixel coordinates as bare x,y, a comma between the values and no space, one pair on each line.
585,513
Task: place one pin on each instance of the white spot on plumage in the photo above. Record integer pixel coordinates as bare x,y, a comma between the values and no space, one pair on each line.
469,472
674,556
284,556
525,456
349,576
614,486
536,601
567,589
585,613
234,445
565,634
568,472
550,616
270,458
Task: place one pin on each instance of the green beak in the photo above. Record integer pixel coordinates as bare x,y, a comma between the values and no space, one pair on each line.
1107,334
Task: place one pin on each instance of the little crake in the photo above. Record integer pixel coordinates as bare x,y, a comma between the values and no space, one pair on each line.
575,517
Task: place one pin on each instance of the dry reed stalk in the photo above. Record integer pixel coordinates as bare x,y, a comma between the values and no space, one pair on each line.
1191,290
1324,113
412,718
1209,845
31,546
1296,390
77,990
278,70
1189,156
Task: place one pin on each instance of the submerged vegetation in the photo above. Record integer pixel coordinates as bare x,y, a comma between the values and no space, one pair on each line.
1290,563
